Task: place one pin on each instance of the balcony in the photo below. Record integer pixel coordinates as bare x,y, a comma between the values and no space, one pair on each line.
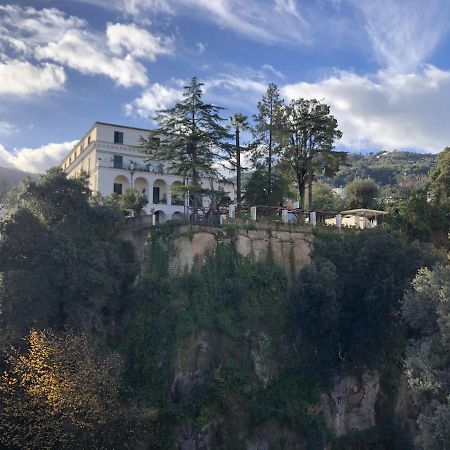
177,201
160,201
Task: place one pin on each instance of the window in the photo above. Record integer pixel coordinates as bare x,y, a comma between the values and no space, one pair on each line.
156,199
118,188
89,140
118,137
118,162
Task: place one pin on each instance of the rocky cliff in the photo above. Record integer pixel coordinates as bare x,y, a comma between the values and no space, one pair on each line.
233,368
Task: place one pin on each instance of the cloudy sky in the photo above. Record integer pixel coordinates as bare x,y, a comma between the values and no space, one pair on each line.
382,65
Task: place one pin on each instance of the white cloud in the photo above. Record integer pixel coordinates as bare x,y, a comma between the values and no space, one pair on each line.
262,20
49,35
386,109
74,51
201,47
7,128
137,41
35,160
153,99
238,91
404,33
23,78
270,69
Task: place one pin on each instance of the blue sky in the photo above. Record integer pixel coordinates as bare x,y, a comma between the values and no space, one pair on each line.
382,65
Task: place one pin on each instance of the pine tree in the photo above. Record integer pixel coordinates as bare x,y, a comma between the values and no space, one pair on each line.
192,138
268,129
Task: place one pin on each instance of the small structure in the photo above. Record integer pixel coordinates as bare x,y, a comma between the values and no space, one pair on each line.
358,218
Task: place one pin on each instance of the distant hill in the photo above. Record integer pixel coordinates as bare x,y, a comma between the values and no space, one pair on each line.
386,168
10,178
13,177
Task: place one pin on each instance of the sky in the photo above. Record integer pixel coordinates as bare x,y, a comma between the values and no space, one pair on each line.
382,65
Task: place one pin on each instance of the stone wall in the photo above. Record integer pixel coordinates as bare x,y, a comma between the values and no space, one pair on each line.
192,245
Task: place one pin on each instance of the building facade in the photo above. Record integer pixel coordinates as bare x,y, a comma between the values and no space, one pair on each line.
110,155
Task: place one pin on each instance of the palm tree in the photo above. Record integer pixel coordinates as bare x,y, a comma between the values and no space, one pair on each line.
239,123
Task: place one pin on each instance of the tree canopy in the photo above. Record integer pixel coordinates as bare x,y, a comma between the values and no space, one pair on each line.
426,309
192,136
61,260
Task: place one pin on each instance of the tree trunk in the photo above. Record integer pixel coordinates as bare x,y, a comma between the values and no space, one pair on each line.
238,170
301,191
310,176
310,185
270,150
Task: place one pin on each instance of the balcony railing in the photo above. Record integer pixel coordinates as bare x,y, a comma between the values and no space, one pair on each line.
132,167
177,201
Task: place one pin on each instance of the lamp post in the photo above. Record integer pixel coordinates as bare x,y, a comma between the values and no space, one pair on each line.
131,172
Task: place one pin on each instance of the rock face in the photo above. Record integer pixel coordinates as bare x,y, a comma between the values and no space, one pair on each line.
350,406
291,250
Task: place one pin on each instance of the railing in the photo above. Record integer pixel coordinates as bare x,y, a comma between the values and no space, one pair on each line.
177,201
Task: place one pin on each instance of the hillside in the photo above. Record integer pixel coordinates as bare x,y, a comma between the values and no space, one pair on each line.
12,177
386,168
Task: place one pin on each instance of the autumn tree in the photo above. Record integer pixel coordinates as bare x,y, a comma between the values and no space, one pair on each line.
310,132
62,392
268,130
192,136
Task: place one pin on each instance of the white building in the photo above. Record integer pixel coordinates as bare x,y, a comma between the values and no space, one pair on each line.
110,155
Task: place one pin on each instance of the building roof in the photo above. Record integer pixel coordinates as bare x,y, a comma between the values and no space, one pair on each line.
121,126
369,213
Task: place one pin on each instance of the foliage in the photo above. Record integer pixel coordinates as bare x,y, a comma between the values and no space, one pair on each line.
61,261
426,309
268,131
440,180
310,132
134,201
386,168
62,393
419,219
354,290
361,193
191,136
386,437
256,192
323,197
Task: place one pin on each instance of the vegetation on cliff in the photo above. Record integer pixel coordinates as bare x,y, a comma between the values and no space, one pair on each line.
222,357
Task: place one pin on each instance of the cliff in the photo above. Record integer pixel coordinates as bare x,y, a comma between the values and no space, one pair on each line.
219,339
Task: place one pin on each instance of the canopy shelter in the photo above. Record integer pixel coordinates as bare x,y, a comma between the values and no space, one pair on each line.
361,218
368,213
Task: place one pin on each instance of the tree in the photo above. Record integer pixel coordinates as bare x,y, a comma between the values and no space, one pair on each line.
62,393
323,197
191,136
4,188
440,179
310,132
134,201
257,193
355,289
61,260
239,123
360,193
268,131
426,309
